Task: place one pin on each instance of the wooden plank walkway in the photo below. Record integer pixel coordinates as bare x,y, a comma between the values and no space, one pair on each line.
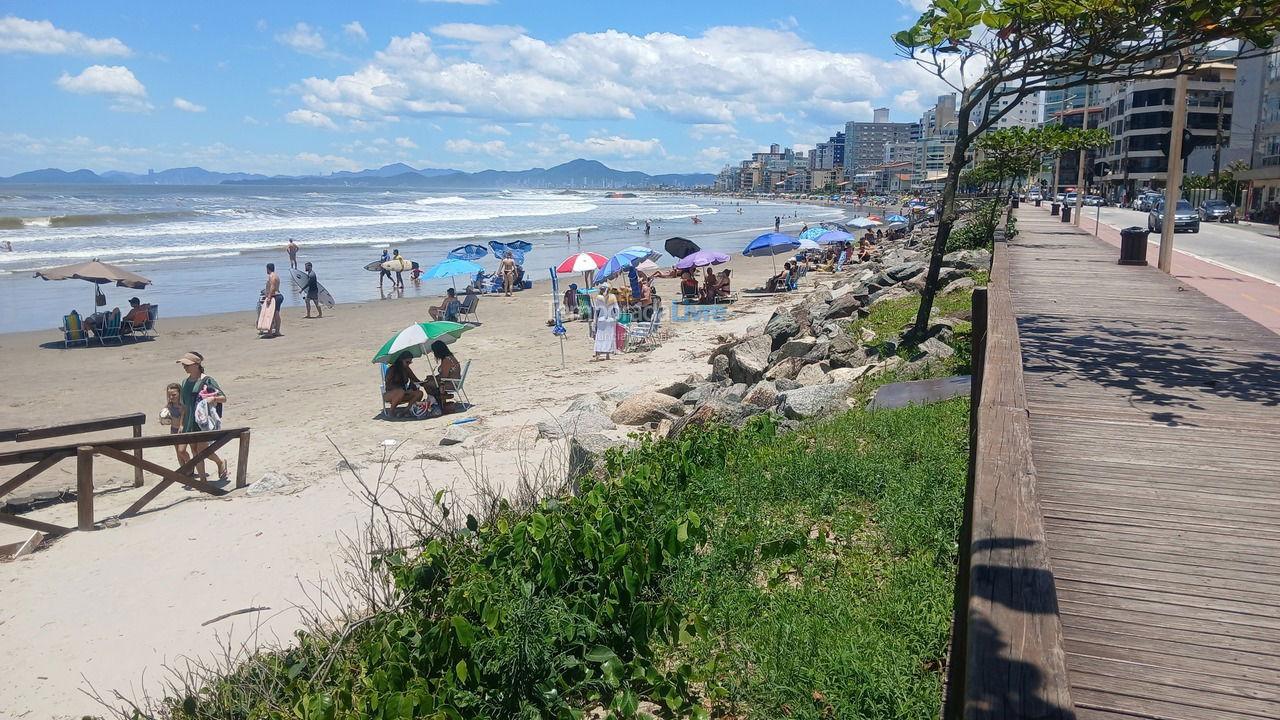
1155,434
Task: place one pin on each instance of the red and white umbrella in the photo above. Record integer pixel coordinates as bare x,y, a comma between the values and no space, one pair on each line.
581,262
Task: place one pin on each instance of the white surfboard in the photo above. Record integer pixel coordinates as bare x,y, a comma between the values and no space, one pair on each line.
300,282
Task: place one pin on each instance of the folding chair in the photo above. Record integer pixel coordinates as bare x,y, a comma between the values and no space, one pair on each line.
73,331
111,329
467,310
457,386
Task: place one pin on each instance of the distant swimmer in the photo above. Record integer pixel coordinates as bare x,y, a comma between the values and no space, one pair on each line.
292,248
696,219
8,246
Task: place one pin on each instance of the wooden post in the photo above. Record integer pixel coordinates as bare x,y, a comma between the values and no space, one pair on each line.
242,461
137,470
1173,174
84,486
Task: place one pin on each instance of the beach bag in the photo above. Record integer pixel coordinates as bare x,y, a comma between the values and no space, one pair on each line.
207,392
206,418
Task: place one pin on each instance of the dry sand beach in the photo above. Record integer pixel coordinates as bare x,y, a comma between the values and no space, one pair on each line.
113,606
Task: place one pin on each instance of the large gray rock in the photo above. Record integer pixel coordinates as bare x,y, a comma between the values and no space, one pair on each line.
702,392
963,283
848,374
784,384
646,406
968,259
820,351
813,400
798,347
763,394
845,305
274,482
887,294
748,359
590,401
782,326
734,392
680,387
786,368
574,423
948,275
905,270
811,375
843,343
719,410
933,348
586,449
719,368
457,434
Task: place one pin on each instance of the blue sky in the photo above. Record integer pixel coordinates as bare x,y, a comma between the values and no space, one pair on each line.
298,87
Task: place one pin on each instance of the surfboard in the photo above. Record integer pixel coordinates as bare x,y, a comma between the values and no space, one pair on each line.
300,282
374,266
267,315
398,264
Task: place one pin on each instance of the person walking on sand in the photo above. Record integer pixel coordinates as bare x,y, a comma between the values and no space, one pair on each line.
270,291
312,292
196,387
508,270
292,247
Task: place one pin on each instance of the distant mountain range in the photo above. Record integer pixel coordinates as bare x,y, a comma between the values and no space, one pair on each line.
573,174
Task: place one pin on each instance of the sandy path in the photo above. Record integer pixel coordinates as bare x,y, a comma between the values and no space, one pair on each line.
119,602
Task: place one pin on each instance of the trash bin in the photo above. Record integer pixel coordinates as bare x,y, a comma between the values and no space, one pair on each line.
1133,246
1037,202
1053,208
1014,202
1066,213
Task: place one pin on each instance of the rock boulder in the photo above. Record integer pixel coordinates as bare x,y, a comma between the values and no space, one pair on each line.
646,406
812,400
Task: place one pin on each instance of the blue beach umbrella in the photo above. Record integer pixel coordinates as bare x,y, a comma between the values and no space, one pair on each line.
520,245
469,252
452,268
896,218
771,244
626,258
834,236
501,249
812,233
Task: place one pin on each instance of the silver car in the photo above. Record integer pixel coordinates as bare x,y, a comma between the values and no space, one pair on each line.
1185,218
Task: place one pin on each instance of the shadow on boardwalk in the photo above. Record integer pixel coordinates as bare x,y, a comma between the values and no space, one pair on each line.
1159,368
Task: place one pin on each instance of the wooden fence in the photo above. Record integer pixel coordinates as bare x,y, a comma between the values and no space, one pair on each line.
125,450
1007,659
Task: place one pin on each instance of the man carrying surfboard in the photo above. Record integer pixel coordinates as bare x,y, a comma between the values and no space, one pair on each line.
312,292
271,297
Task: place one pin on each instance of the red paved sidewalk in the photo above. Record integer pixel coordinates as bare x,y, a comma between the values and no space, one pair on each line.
1255,298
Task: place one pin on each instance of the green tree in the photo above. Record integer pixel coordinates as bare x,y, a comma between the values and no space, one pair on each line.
992,49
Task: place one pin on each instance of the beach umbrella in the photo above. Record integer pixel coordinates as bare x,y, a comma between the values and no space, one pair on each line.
771,244
469,252
582,262
520,246
834,236
863,223
501,249
558,329
451,268
812,233
648,266
98,273
416,338
701,258
641,251
630,257
808,244
897,219
873,217
680,247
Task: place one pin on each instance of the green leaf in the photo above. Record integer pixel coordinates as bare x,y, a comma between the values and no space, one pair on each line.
600,654
464,630
461,671
538,526
472,523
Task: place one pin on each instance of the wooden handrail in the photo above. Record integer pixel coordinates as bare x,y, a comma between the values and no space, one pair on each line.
14,457
1007,654
45,432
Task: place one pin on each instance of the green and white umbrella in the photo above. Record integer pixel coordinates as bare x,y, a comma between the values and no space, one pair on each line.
417,338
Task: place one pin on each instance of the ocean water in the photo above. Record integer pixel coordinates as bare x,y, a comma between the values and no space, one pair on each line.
205,247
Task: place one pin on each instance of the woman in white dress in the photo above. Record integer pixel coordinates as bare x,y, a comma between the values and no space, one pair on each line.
605,307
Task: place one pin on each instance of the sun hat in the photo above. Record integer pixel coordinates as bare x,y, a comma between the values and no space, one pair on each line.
190,359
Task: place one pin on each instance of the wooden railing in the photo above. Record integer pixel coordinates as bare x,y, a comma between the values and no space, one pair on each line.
1007,659
125,450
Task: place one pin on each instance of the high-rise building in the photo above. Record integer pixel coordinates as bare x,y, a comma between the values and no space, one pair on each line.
1139,115
1025,112
830,154
864,142
939,117
1263,193
880,115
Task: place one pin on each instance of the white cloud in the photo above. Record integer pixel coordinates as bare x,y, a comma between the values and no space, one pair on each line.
43,38
478,33
495,148
251,120
917,5
302,38
406,143
493,129
188,106
355,31
721,77
114,81
328,163
310,117
612,146
701,131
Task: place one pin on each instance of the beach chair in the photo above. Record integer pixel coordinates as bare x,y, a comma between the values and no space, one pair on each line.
643,334
382,390
688,294
111,329
72,330
457,386
137,330
467,310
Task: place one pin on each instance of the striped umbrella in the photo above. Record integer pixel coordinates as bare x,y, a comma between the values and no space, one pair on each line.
581,262
416,338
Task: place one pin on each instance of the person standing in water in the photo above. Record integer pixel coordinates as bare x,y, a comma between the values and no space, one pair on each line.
312,292
508,270
292,248
383,273
646,227
395,255
272,292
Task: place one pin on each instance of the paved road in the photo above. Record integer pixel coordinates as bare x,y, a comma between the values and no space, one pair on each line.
1248,248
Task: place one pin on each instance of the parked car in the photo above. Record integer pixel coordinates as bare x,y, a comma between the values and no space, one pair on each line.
1034,195
1094,200
1069,199
1217,211
1060,197
1146,201
1185,218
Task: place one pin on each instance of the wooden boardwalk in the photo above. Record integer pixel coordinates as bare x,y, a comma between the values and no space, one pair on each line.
1154,419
